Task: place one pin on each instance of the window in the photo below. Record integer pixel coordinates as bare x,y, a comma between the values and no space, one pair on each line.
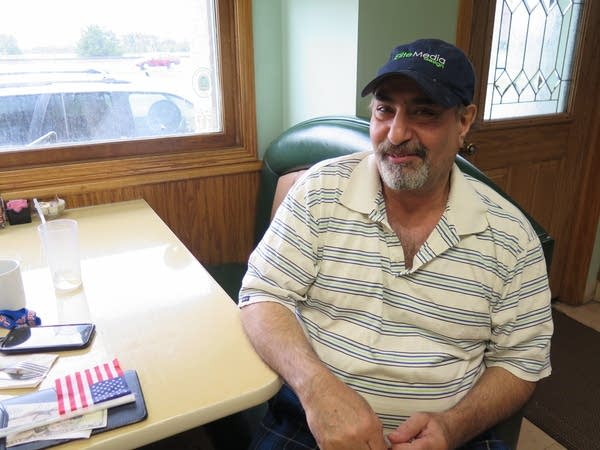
532,54
101,54
136,87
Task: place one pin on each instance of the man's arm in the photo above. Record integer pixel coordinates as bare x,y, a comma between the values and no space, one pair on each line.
496,396
337,416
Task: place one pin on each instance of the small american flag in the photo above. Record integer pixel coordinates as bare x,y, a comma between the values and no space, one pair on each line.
89,387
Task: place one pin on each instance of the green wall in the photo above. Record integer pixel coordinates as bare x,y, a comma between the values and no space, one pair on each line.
312,57
383,24
268,70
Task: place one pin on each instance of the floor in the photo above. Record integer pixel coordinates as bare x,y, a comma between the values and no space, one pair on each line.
531,437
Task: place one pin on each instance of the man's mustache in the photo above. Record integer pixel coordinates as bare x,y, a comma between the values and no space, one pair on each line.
387,148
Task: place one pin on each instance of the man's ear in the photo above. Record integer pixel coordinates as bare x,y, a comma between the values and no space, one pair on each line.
467,118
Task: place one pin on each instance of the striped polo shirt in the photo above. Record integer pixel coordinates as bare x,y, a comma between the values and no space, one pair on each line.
407,339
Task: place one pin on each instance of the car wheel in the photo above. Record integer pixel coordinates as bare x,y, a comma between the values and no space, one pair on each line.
164,117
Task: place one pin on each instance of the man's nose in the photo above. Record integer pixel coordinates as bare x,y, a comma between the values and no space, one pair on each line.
400,130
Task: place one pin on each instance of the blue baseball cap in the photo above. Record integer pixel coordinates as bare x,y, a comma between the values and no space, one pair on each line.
442,70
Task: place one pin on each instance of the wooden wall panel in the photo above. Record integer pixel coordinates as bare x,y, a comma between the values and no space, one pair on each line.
213,217
545,193
521,182
499,176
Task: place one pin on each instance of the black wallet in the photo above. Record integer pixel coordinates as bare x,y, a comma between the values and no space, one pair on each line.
118,416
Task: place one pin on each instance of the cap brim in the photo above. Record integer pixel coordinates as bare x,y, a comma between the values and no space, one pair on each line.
436,92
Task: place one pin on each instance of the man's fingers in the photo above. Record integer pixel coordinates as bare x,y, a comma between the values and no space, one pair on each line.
379,442
388,444
408,430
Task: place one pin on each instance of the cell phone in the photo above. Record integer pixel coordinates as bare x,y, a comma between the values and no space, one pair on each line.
48,338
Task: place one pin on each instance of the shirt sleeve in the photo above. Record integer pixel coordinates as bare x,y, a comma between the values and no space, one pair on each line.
522,321
283,266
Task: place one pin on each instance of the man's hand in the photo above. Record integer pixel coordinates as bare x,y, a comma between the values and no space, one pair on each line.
422,431
339,418
496,395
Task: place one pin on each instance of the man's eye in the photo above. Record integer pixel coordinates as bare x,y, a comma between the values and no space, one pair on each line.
425,112
383,109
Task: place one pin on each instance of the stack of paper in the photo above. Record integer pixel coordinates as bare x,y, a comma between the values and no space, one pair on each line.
81,393
75,428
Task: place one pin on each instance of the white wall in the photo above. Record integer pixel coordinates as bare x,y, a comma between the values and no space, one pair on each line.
383,24
319,58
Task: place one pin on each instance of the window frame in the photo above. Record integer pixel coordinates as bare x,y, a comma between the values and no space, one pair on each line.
80,168
480,57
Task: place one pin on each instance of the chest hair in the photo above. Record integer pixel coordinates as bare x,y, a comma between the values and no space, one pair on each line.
412,237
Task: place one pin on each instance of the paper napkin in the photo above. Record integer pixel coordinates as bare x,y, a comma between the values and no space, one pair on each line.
43,359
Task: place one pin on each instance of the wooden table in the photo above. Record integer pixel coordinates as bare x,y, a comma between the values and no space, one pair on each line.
155,308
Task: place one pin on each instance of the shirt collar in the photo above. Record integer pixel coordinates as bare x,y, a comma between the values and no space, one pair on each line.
363,192
465,210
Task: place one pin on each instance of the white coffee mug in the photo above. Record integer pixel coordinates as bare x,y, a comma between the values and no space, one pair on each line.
12,293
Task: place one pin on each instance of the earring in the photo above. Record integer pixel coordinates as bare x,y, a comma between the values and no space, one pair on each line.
468,150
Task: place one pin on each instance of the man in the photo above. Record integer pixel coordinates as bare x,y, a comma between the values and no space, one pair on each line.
403,304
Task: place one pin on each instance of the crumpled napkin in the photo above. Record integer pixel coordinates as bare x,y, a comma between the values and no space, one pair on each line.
19,318
44,359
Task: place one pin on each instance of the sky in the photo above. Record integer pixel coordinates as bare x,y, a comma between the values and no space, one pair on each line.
60,22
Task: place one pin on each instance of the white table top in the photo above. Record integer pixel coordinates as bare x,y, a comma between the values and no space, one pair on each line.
155,308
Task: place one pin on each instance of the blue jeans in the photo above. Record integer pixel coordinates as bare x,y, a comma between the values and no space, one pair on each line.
284,427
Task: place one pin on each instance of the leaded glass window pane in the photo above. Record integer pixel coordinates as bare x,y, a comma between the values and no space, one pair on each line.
531,59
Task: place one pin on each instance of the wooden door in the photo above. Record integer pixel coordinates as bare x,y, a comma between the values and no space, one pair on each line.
548,163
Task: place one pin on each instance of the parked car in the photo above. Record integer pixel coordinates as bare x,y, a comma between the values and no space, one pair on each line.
159,61
83,111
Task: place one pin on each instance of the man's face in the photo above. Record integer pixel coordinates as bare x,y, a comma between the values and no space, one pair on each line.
415,140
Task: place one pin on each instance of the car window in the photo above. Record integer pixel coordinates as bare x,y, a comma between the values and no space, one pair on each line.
96,116
16,113
72,117
48,125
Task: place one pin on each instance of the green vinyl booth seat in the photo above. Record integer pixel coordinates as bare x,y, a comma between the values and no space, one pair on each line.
299,148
